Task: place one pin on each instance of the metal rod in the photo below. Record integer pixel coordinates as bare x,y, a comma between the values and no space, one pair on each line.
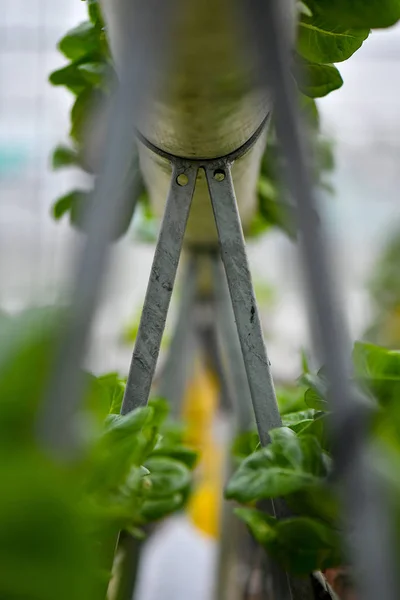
230,349
178,365
56,427
234,258
159,290
363,501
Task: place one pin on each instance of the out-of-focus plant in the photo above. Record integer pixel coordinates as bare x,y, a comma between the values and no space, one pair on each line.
325,36
60,520
384,288
296,466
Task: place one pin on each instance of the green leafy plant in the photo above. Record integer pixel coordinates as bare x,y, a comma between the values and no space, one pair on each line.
296,466
328,33
89,71
60,519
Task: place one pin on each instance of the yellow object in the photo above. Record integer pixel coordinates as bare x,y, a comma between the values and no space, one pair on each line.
200,406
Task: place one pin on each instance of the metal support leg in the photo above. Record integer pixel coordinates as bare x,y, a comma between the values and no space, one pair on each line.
231,352
364,501
234,257
233,253
178,366
160,287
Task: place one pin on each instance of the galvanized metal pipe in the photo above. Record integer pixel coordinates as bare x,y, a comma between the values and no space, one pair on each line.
365,509
159,291
57,425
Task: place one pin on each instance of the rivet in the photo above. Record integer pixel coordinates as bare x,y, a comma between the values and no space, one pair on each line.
219,175
182,179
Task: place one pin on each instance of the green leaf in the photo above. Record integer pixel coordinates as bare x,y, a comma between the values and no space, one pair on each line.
95,12
78,202
302,452
306,545
44,532
316,395
124,426
167,477
261,525
180,453
290,399
318,501
309,110
294,418
379,370
245,444
317,80
299,426
80,41
127,442
82,110
273,210
115,387
316,427
70,203
153,510
70,77
319,43
301,545
161,410
303,8
96,398
94,73
64,156
28,344
359,14
285,466
313,399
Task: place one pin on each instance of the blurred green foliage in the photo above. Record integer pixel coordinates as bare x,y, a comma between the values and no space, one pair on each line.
384,289
88,75
296,466
59,520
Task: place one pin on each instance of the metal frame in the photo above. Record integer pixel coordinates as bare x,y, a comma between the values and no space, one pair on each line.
241,291
364,504
234,257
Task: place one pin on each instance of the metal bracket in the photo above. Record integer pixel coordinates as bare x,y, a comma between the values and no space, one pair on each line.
234,258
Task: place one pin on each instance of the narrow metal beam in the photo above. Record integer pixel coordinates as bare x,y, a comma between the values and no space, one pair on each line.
159,290
178,365
231,352
145,53
365,507
234,258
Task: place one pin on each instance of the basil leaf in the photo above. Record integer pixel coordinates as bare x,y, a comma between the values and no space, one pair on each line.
63,156
80,41
70,203
316,80
320,43
180,453
379,370
70,77
167,477
285,466
359,14
300,544
158,508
